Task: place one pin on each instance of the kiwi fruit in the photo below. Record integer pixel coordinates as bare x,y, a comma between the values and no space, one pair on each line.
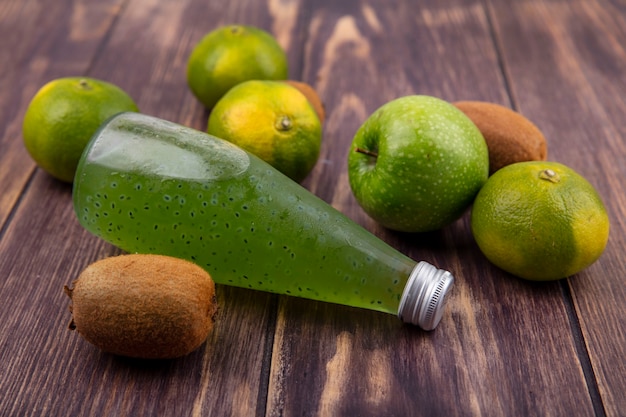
510,136
143,306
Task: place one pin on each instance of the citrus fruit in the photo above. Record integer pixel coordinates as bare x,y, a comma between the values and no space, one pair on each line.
272,120
62,117
230,55
310,93
539,221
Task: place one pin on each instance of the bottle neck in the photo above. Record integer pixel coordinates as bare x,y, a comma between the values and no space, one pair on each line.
424,296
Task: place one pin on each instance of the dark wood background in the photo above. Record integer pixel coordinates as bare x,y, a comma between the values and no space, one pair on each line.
505,347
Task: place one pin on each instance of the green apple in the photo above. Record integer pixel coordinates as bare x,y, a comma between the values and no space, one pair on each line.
417,163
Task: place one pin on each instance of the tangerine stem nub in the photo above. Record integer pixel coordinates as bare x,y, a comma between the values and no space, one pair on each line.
549,175
84,84
283,123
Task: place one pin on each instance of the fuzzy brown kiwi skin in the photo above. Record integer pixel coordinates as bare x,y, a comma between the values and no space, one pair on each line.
143,306
510,136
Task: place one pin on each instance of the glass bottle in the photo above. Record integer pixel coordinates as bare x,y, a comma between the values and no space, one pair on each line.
151,186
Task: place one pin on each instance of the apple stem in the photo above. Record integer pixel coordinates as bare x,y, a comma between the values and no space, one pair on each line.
366,152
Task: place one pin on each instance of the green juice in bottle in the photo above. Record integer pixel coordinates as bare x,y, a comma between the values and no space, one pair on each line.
151,186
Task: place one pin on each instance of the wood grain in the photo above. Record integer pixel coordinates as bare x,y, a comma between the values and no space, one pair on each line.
224,377
496,355
48,368
39,43
573,89
505,347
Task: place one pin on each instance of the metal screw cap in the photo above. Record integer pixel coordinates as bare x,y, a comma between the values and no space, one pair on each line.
424,296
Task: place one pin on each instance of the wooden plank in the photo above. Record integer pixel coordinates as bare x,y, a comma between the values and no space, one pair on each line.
40,42
152,68
147,54
567,63
46,369
505,346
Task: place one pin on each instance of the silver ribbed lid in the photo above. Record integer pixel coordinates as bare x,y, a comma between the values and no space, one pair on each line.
424,296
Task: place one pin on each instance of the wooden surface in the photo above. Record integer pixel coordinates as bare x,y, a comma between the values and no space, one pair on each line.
505,347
